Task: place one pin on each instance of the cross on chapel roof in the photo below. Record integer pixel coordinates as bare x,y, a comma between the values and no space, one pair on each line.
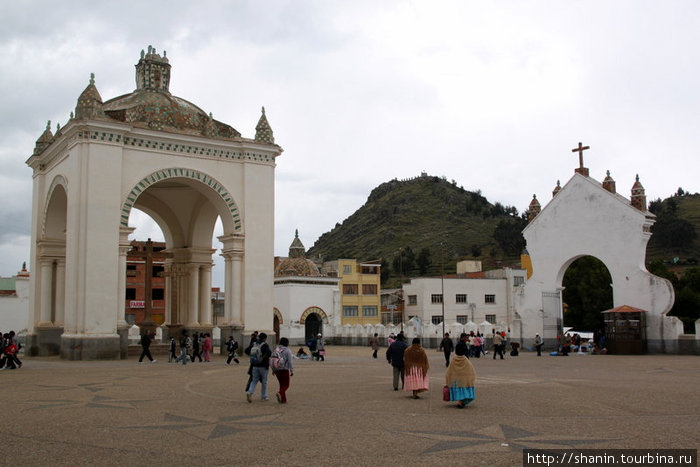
581,169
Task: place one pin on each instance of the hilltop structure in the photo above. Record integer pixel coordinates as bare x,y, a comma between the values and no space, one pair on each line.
167,157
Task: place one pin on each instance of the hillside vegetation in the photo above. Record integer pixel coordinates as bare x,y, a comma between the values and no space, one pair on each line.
427,215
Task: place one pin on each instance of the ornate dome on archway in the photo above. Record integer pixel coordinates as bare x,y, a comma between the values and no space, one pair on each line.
297,264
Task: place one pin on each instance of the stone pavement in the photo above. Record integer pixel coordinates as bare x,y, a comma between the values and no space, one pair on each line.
342,411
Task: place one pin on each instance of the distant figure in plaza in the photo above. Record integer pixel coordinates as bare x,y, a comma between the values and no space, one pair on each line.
9,351
538,344
301,354
146,339
374,343
416,368
196,346
18,345
253,340
171,350
184,344
497,345
477,345
390,340
463,344
231,347
447,347
320,352
207,347
394,356
282,368
259,365
460,379
566,345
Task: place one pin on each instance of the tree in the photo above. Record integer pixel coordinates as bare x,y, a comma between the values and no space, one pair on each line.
508,234
674,233
404,262
423,261
587,292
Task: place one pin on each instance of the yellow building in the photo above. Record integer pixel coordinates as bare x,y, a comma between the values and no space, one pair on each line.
359,290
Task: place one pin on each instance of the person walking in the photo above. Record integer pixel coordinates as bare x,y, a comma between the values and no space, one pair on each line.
460,379
196,346
260,364
320,353
282,368
207,347
146,339
394,356
538,344
184,338
253,340
171,350
416,366
231,347
374,343
447,347
497,345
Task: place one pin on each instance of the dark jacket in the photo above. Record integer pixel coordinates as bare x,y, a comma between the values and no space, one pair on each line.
145,341
394,354
446,345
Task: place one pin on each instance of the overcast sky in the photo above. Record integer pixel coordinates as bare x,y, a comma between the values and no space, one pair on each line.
492,94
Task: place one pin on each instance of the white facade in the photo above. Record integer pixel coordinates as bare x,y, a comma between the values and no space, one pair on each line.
469,303
164,156
300,300
586,219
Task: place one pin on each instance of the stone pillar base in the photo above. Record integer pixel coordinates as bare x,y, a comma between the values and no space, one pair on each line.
46,341
123,332
84,347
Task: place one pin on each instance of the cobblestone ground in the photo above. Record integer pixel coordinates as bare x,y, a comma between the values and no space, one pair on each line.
342,411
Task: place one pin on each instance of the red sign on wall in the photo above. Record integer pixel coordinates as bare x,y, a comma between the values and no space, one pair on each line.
137,304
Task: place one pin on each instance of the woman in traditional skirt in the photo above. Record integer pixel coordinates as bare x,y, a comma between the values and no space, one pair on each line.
460,379
416,365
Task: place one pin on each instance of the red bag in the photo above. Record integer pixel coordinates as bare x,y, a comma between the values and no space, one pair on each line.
446,393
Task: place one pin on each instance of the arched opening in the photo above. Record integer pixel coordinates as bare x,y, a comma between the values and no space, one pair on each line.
312,326
587,292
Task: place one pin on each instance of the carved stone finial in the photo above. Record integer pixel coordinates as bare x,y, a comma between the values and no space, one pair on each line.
48,127
71,115
58,127
263,110
142,53
296,233
92,78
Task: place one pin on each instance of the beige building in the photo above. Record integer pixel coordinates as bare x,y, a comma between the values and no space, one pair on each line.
359,290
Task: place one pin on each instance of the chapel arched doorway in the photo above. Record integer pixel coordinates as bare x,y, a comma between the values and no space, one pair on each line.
587,291
312,326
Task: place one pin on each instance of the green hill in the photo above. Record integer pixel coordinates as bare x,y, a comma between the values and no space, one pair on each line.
675,233
424,213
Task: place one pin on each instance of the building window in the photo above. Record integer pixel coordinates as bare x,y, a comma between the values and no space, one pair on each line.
436,298
436,319
461,298
489,298
349,311
349,289
462,319
131,270
413,299
369,289
157,294
369,311
158,271
131,294
491,319
518,280
347,269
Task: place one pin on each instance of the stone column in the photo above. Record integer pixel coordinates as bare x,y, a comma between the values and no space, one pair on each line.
205,313
193,298
46,291
236,289
124,247
60,304
228,313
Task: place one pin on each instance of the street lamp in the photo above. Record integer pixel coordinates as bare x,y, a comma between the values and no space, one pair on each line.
442,286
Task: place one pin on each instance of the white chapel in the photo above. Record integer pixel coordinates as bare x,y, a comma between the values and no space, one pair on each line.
165,156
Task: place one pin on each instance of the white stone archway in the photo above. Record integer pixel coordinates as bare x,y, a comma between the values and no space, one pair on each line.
167,157
586,219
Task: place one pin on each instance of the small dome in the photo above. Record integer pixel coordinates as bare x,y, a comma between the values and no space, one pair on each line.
297,267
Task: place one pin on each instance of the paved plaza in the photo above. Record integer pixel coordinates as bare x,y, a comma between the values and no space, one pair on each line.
342,411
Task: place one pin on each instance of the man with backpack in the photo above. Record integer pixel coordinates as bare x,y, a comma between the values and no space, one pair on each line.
253,340
259,365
